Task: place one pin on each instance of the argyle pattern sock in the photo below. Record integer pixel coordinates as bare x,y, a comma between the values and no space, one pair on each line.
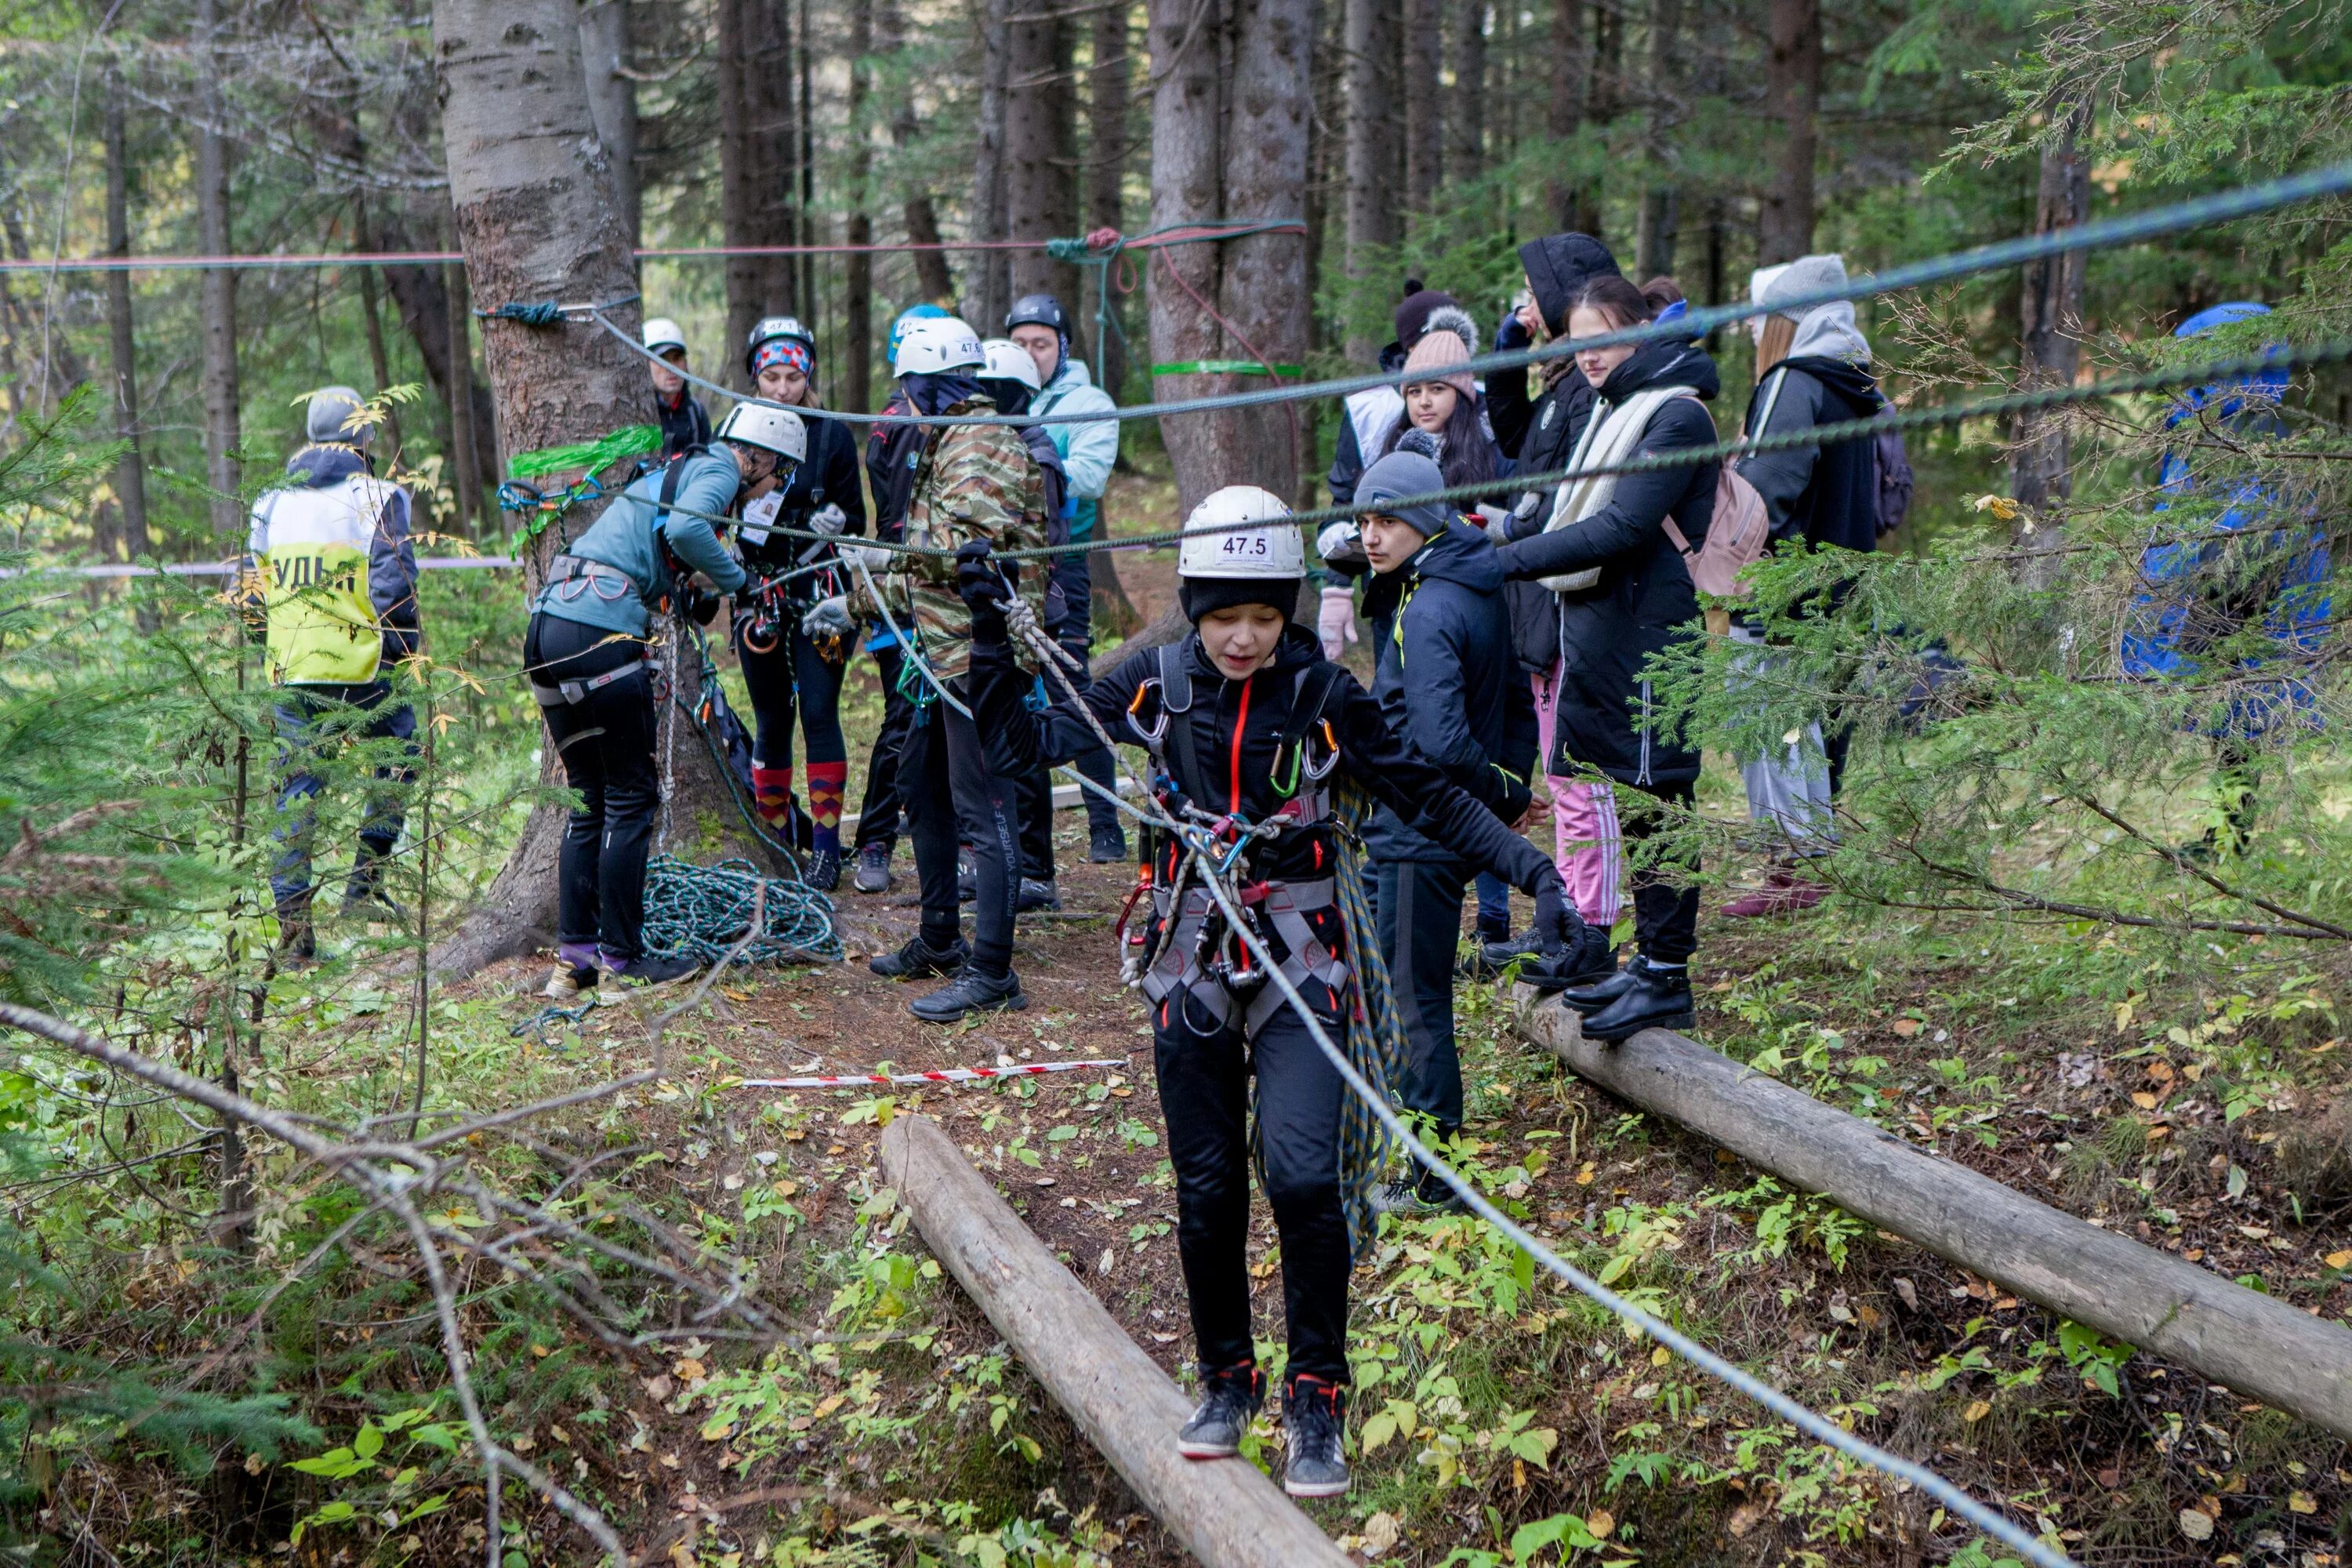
827,782
771,793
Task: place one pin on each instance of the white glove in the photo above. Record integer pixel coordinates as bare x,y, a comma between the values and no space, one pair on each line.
829,618
1342,544
828,518
1335,621
874,557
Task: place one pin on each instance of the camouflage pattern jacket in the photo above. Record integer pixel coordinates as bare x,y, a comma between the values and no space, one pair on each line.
974,481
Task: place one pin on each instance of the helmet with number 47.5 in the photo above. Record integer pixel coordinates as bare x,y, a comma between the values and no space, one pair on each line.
1219,544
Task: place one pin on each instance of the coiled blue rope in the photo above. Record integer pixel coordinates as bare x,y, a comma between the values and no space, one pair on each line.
702,912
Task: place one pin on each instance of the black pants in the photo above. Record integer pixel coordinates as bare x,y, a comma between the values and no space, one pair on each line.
1417,906
605,742
955,789
1075,633
877,819
1665,897
1033,786
1204,1095
788,679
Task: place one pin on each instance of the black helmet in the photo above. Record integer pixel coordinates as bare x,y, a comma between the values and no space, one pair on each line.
1038,310
772,328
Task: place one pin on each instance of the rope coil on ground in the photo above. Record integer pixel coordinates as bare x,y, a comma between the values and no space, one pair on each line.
702,912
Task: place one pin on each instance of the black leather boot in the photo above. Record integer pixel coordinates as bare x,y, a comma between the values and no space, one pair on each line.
1651,998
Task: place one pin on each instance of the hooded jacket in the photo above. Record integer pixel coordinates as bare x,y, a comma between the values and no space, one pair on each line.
1446,680
1235,725
1088,451
684,422
892,453
1644,600
1821,495
330,571
829,478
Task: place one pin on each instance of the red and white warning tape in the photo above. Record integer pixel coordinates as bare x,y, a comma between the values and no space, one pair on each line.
945,1075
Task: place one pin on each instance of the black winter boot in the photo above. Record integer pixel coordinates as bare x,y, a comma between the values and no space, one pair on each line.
1653,998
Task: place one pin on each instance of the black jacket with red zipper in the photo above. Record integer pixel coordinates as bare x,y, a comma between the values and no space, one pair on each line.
1236,730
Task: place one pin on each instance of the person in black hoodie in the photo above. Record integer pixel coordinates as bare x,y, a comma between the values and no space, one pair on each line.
1246,721
1446,682
1633,598
785,672
1812,368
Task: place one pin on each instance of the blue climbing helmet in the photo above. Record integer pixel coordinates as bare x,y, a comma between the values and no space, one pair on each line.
2268,385
924,312
1042,311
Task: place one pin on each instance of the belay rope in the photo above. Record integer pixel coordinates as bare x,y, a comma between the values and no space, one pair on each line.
702,912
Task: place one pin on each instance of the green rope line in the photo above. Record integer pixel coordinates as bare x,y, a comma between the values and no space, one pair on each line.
2334,351
594,456
702,912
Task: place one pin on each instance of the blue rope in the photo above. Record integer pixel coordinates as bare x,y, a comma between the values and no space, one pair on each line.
702,912
548,313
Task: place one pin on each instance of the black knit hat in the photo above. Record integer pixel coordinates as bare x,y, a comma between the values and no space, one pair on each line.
1206,595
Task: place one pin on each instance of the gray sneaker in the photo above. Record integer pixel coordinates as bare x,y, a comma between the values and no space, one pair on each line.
1229,1402
1314,1421
873,871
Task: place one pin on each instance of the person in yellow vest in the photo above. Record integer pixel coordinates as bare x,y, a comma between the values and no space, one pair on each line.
330,585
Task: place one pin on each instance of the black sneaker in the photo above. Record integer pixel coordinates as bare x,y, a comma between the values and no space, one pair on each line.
822,869
1651,998
969,993
967,876
1494,957
1037,893
1229,1402
918,960
1106,846
1314,1421
364,898
873,871
645,972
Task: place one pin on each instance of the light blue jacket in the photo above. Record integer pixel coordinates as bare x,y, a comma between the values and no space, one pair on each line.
624,539
1087,450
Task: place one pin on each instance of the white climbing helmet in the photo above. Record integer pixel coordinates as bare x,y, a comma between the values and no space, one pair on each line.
1004,360
1273,550
768,427
662,334
936,343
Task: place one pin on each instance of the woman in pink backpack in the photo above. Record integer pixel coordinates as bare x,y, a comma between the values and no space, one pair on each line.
1625,594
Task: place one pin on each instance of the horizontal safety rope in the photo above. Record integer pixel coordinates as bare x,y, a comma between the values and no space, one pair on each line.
944,1075
2221,207
1057,248
2334,351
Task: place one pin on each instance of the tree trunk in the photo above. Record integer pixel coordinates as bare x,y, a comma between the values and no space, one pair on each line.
1571,72
1661,215
2040,477
1371,187
804,218
755,167
1466,115
1108,95
1793,90
918,211
612,102
538,219
1040,192
222,398
379,361
464,434
131,470
1425,118
858,273
1238,157
988,278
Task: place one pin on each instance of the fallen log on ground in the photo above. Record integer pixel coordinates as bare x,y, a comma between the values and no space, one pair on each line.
2230,1335
1225,1512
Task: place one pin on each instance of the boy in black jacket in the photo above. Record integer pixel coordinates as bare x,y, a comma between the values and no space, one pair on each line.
1245,722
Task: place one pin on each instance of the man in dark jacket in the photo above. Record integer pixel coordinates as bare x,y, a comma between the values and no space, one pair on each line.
1609,633
1445,680
685,424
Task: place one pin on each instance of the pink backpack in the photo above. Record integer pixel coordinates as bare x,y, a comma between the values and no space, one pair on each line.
1734,539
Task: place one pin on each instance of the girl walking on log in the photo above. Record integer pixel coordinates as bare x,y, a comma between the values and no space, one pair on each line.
1249,728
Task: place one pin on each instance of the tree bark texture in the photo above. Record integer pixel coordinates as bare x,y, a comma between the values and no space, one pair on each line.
1661,217
1571,78
858,273
222,396
1110,95
613,102
1368,42
538,219
804,218
1792,86
131,470
988,277
754,79
2050,341
1423,42
1040,151
934,280
465,436
370,317
2240,1337
1466,112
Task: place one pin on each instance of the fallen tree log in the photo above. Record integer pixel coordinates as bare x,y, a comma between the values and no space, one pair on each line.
1225,1512
2230,1335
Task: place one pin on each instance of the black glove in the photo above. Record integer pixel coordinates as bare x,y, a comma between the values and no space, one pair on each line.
1558,925
984,585
700,603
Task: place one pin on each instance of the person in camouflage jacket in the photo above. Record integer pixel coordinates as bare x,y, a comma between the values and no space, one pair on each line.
972,482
